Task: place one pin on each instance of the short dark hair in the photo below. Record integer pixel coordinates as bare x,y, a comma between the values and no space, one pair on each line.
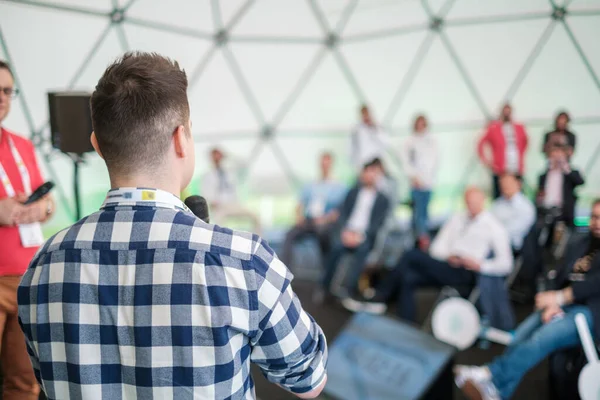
376,162
6,66
138,103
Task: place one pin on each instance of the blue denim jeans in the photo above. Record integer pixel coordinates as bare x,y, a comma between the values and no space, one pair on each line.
533,342
420,210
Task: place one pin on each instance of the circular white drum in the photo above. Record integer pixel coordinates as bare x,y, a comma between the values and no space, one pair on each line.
456,322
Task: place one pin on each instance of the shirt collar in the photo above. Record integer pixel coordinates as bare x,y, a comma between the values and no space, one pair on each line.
127,196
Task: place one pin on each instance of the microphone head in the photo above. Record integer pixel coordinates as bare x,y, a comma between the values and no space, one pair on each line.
199,206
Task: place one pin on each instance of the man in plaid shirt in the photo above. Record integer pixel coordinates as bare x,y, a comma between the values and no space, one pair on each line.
142,300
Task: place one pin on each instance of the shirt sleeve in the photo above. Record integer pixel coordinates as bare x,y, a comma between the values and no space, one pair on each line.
440,248
501,261
288,345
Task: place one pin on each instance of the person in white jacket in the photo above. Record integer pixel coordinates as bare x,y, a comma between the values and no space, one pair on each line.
420,160
368,140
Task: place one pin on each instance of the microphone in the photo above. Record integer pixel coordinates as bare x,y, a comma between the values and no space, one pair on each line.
198,205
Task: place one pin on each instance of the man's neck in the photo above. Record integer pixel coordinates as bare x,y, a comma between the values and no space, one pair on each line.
325,176
167,184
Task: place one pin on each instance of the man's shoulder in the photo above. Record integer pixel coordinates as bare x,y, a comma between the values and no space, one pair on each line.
20,141
154,229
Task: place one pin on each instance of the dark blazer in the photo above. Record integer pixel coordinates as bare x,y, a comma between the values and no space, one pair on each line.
571,140
570,182
378,213
586,292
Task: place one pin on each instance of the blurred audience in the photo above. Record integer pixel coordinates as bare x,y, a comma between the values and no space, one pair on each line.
560,136
556,188
219,187
420,160
549,329
468,244
514,211
386,184
368,140
361,215
317,211
507,141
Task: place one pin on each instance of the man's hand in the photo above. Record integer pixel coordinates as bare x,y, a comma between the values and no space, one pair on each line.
416,183
454,261
546,300
549,313
10,208
351,239
470,264
34,212
319,221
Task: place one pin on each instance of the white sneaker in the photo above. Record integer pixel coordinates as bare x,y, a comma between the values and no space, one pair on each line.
353,305
476,382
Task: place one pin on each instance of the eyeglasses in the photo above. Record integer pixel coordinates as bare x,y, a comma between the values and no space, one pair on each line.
9,92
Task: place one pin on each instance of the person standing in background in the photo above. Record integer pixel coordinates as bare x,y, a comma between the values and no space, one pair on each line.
507,141
368,140
560,136
219,187
317,211
420,160
20,237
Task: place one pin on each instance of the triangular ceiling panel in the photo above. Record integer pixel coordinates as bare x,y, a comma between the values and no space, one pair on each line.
380,15
266,174
230,9
217,104
513,42
196,15
439,91
592,5
380,65
106,54
58,51
476,8
98,5
332,10
586,30
185,50
557,79
326,101
279,18
273,70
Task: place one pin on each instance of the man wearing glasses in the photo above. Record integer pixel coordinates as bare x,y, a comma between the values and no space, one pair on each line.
20,237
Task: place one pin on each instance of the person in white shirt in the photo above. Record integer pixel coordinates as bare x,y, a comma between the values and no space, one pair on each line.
420,160
514,211
219,187
468,244
368,140
361,215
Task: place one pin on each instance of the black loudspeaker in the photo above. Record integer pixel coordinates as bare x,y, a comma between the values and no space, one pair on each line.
379,358
70,121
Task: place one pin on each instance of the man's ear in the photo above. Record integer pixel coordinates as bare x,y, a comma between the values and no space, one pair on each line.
94,141
179,141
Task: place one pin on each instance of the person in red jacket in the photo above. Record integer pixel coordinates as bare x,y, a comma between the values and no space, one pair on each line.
507,141
20,237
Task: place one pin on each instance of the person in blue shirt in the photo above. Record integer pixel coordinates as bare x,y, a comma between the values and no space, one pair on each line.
317,211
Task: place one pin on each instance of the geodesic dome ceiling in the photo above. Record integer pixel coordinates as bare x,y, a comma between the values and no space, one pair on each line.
275,82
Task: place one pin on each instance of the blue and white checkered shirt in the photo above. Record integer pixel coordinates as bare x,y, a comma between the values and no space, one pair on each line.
142,300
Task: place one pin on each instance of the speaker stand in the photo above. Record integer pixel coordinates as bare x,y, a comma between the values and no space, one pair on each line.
77,160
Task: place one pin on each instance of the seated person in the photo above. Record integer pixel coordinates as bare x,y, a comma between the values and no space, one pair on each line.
363,212
514,211
317,211
386,184
557,185
468,244
219,189
549,329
